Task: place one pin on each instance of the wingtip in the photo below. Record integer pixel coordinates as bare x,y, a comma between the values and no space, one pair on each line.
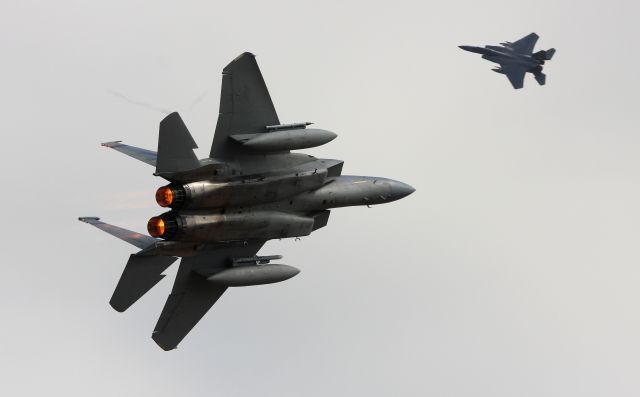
111,144
117,307
156,336
88,219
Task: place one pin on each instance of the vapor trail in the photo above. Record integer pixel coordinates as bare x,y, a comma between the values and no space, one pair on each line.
143,104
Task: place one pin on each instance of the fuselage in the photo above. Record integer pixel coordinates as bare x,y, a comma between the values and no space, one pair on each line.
264,197
505,55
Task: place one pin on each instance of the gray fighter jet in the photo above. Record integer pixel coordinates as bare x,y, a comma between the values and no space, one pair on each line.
516,59
224,208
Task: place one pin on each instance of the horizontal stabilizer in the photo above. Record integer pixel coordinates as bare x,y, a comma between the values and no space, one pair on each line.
541,78
139,240
140,275
144,155
175,146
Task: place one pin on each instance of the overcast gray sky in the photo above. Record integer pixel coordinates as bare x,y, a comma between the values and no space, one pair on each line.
512,271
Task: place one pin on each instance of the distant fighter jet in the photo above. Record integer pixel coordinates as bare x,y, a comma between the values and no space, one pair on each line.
516,59
224,208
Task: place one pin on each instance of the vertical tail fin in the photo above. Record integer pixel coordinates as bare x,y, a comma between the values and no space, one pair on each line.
175,146
549,53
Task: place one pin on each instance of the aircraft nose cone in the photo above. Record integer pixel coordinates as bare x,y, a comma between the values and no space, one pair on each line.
401,190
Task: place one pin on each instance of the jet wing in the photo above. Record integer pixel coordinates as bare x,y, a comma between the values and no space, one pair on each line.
144,155
515,74
526,44
245,105
192,295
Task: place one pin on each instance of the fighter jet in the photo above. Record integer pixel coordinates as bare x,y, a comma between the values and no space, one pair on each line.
516,59
222,209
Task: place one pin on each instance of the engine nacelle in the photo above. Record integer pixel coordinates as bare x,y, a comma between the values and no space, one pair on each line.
229,227
208,194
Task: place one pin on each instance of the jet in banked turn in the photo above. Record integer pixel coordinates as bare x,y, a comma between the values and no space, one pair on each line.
516,59
222,209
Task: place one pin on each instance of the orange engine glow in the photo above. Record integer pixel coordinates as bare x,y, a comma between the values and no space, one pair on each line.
164,196
155,226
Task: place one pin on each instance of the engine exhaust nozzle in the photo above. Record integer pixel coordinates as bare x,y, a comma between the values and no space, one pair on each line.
170,196
156,227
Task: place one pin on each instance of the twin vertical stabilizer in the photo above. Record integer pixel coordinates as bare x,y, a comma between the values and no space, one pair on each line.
175,146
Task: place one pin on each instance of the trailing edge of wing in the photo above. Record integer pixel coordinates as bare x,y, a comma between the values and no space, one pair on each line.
144,155
139,240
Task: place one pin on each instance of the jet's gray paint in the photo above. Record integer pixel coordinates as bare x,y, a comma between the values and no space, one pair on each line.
516,59
192,295
222,209
245,105
140,275
175,146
